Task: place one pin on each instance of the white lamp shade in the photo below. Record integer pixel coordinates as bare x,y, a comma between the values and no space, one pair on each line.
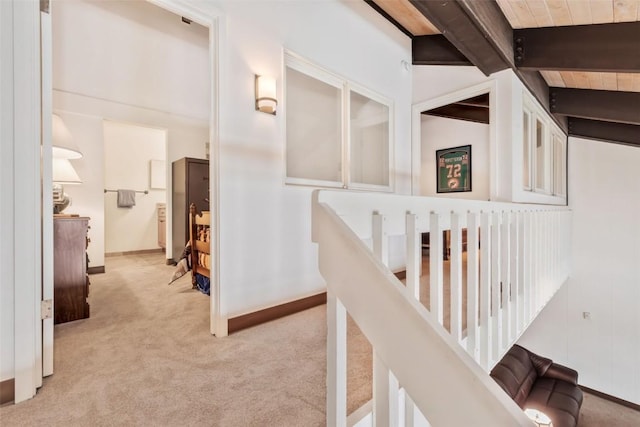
62,143
64,173
266,94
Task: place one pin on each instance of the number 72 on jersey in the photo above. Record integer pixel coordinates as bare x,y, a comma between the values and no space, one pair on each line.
454,169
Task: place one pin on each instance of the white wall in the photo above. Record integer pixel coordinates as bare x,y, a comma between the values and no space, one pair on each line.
604,189
132,52
432,81
129,62
266,253
439,133
128,151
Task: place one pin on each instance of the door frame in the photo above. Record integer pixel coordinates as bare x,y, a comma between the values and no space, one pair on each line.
46,52
23,120
213,19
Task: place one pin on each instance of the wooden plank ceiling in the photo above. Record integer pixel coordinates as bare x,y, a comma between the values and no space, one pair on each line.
576,45
557,13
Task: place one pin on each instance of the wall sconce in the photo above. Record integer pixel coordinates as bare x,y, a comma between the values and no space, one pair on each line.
62,143
266,95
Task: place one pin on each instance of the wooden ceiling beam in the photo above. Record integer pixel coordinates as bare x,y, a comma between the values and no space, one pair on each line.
466,24
480,31
436,50
613,106
476,101
461,112
620,133
599,48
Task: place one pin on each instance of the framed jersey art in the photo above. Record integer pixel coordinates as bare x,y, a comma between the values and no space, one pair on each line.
454,169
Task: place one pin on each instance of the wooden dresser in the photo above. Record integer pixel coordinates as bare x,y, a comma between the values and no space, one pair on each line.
70,279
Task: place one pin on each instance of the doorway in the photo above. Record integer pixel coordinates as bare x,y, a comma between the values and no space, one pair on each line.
103,90
463,118
135,188
459,130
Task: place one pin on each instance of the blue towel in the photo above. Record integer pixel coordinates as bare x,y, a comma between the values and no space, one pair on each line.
126,198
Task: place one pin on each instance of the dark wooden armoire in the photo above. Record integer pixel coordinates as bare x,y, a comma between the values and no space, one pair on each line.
190,184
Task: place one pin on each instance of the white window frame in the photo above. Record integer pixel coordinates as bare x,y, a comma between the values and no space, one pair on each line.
562,139
546,164
361,90
528,135
293,61
550,130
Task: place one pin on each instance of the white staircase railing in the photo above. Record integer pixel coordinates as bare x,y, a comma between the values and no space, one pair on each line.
517,257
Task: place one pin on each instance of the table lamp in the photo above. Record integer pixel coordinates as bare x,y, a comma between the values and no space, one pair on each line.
63,173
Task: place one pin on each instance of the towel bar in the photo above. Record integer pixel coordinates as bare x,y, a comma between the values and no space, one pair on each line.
115,191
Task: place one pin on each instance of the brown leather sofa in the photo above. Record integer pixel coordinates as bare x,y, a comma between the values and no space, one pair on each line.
535,382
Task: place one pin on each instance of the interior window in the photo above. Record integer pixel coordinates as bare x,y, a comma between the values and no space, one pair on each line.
338,134
314,128
526,151
544,152
559,165
541,164
369,126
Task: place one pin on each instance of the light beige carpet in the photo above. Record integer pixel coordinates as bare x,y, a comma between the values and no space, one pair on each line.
145,357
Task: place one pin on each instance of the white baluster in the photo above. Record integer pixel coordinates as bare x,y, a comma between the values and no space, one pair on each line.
540,258
550,256
409,410
472,285
514,275
414,256
436,305
521,270
336,362
544,232
562,253
485,289
556,254
385,385
414,263
505,274
543,258
535,246
526,254
380,239
385,395
496,286
456,276
568,241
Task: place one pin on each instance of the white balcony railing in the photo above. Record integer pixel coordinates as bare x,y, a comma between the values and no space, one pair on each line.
516,258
